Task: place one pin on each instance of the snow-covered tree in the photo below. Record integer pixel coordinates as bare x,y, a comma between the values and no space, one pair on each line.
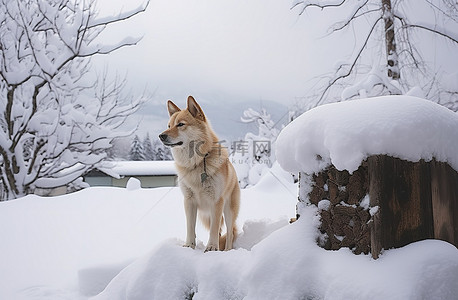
56,118
148,148
255,153
161,152
120,148
396,26
136,150
298,107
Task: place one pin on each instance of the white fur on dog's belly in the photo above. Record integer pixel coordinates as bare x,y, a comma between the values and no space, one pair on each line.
206,199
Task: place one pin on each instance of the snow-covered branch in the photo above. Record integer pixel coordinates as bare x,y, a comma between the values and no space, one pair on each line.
117,18
106,49
391,39
53,124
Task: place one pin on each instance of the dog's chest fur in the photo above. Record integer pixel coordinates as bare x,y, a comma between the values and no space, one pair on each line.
204,193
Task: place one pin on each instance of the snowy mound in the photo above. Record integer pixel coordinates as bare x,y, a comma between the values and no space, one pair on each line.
346,133
289,265
81,241
133,184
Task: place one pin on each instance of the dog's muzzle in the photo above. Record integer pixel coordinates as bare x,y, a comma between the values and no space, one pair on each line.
164,139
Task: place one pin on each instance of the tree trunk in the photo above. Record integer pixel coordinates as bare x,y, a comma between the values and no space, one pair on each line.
8,184
391,54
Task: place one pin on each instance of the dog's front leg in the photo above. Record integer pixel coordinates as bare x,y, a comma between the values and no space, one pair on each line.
190,209
215,226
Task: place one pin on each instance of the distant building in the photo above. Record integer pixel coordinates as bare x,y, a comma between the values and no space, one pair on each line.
150,173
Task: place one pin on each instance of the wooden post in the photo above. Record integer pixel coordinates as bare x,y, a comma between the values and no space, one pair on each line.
444,188
415,201
402,191
375,166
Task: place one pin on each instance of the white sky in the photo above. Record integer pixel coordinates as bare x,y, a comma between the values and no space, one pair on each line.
256,48
233,50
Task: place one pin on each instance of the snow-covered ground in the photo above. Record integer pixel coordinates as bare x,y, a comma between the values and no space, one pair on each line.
71,247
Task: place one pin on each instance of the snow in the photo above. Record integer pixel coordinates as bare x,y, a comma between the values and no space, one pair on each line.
126,244
405,127
377,76
107,49
68,174
324,204
373,210
133,184
101,21
365,203
58,109
52,245
139,168
288,265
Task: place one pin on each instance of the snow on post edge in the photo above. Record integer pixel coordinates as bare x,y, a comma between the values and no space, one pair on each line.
346,133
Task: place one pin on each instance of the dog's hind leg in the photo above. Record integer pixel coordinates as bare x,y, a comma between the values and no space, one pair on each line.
229,236
215,226
231,211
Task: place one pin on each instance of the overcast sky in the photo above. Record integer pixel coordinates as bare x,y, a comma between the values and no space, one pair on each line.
224,51
217,51
256,48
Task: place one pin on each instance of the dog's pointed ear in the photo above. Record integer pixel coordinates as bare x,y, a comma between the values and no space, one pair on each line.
195,109
172,108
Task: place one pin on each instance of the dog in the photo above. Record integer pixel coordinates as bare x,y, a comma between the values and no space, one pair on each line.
206,176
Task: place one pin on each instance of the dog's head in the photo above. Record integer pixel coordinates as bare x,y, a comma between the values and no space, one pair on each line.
185,126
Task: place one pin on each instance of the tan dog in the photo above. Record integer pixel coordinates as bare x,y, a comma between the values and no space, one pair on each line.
206,176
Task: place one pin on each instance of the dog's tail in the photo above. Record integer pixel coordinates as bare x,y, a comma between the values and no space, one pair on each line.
222,239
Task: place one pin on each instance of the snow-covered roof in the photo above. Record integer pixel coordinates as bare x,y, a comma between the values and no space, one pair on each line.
119,169
346,133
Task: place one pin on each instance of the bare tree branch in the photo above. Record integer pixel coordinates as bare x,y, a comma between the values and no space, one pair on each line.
354,16
320,4
353,64
408,26
400,46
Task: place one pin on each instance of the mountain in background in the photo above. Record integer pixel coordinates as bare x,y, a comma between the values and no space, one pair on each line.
224,114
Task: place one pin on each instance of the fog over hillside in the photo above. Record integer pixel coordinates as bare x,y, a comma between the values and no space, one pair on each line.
224,115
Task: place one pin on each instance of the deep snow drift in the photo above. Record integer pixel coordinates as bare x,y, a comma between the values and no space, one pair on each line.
346,133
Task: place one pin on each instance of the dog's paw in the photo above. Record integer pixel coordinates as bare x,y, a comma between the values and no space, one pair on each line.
211,248
190,245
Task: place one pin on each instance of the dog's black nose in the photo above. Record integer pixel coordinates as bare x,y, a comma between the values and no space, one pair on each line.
163,137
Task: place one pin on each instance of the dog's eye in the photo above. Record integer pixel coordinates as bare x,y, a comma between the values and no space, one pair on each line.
180,124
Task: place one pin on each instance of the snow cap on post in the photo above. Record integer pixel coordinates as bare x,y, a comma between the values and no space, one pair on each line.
344,134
